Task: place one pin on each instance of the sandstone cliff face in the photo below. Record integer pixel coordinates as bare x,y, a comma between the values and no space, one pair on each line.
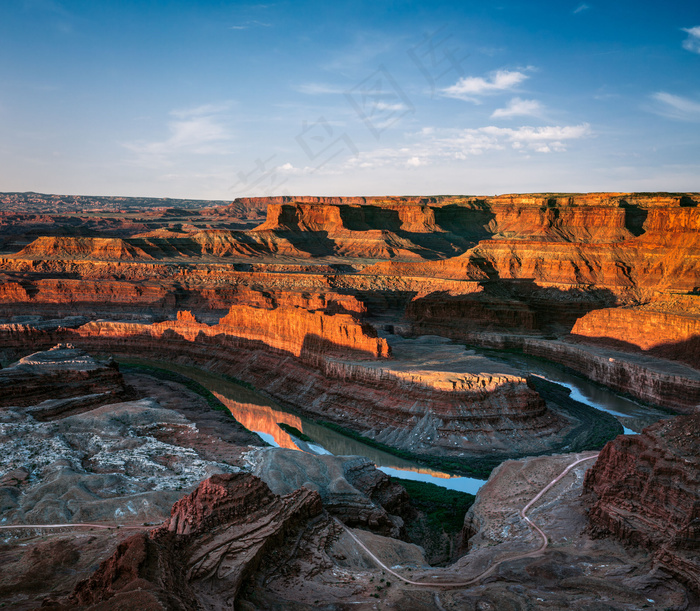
199,558
423,411
302,332
647,491
295,331
653,380
97,248
668,335
647,246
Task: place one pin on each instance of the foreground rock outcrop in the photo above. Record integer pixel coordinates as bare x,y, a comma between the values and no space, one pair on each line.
648,494
214,538
576,570
351,488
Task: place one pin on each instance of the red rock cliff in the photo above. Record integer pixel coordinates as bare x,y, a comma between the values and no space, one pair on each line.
229,521
647,491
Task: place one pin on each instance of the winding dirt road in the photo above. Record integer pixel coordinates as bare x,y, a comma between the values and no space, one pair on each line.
76,525
493,567
431,584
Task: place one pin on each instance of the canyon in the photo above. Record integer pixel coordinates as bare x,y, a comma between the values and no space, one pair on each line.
388,320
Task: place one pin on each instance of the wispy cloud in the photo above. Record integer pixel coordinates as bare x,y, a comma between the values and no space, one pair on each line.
581,8
201,130
431,146
675,106
319,89
469,88
518,107
692,43
63,19
246,25
200,111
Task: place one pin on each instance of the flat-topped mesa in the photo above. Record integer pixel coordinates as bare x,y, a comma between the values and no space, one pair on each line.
81,247
63,372
647,492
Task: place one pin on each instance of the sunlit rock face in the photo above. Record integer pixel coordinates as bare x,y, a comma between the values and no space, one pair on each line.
354,312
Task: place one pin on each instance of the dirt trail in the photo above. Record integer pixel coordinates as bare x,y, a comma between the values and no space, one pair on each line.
76,525
493,567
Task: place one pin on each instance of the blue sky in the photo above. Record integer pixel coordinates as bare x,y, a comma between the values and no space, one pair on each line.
224,99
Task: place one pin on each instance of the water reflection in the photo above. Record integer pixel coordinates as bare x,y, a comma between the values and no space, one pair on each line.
633,416
261,415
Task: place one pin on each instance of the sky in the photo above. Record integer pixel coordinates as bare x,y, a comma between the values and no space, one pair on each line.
217,100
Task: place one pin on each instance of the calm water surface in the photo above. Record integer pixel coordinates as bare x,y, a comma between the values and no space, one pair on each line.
261,415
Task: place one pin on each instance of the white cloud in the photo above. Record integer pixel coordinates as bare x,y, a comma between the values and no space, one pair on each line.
250,24
497,82
581,8
318,89
692,43
676,107
441,146
200,130
199,111
518,107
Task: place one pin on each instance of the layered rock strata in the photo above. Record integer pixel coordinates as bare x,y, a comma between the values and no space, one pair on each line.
459,403
214,539
65,378
647,491
400,403
653,380
673,335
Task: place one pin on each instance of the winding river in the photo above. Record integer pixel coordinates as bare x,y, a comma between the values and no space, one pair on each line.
632,415
262,415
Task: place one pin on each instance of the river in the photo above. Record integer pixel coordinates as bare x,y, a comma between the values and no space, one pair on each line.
632,415
263,415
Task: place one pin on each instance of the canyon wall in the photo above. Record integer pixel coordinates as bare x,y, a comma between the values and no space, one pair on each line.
60,373
317,364
647,493
664,334
651,379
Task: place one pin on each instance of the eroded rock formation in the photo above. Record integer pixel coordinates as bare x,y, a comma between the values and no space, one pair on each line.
64,378
647,491
214,539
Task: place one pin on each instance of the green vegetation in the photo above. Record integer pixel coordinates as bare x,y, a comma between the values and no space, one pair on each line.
479,468
443,508
292,430
190,384
596,427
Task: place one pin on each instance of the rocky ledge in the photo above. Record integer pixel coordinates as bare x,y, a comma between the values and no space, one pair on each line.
200,556
647,493
66,379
